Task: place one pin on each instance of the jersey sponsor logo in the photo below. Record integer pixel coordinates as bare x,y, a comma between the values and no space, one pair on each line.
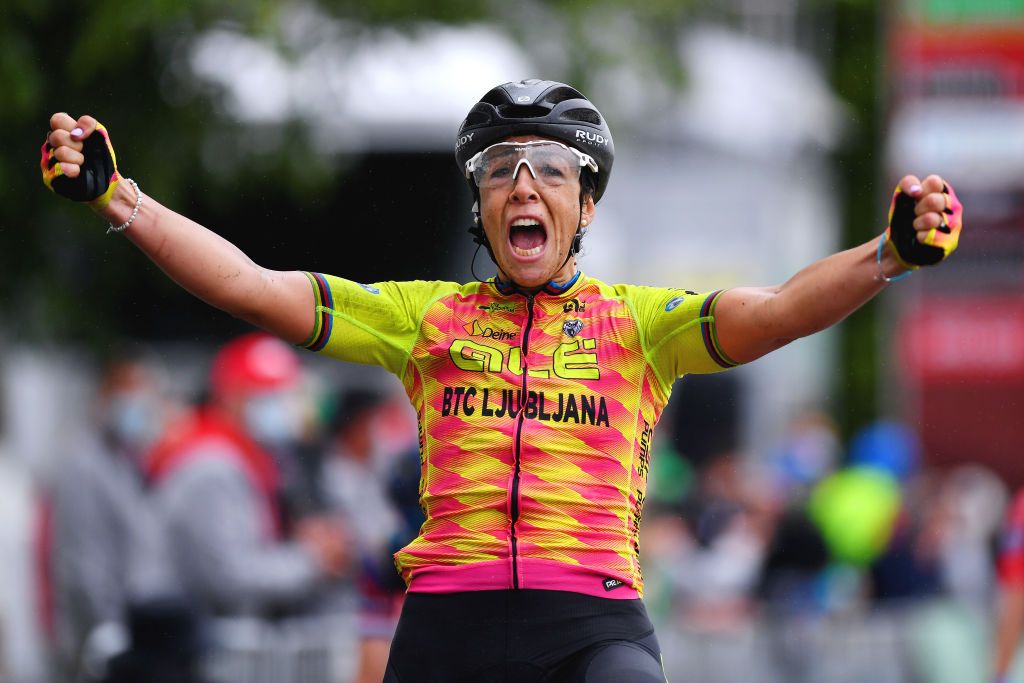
570,360
592,138
576,408
612,584
369,288
574,306
572,327
489,332
637,517
498,306
643,464
673,304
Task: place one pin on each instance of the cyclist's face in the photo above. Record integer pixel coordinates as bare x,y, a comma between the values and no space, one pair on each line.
530,222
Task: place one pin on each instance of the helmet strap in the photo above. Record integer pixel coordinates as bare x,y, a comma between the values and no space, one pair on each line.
479,236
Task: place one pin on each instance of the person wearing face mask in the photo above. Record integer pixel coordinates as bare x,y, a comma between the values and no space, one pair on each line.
105,550
353,484
537,390
217,486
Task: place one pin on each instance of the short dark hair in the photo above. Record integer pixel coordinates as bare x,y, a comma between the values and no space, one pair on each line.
588,182
350,405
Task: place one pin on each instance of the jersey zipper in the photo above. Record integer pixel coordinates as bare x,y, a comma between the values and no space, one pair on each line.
514,512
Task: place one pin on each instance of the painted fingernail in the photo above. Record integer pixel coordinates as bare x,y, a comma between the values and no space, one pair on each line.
76,132
914,189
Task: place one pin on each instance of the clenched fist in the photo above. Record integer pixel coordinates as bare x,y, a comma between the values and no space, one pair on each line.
925,219
78,160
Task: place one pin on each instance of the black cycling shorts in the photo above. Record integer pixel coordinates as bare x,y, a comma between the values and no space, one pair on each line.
523,636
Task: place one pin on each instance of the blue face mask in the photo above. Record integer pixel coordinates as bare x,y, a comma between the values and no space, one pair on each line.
272,418
134,420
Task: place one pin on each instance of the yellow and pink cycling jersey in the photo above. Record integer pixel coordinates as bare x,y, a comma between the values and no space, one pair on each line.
535,418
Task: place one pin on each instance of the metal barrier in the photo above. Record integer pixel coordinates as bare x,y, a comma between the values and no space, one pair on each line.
929,642
319,649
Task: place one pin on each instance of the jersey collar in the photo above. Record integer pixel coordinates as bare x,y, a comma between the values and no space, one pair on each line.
552,288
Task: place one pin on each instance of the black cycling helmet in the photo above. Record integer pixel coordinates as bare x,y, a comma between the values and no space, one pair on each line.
534,107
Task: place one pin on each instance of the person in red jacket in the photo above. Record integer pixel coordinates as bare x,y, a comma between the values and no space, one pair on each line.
217,483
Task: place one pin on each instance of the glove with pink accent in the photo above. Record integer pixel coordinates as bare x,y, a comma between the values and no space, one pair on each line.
941,240
98,178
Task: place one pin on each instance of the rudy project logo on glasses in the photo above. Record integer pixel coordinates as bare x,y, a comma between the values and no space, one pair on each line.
474,329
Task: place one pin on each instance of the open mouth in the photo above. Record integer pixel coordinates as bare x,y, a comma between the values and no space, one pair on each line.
527,237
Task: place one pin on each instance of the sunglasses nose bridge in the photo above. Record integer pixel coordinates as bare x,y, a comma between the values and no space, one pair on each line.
519,164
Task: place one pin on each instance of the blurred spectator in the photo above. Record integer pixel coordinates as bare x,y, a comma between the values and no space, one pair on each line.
718,566
808,453
19,631
910,565
793,574
907,564
857,507
1010,621
355,487
975,500
105,546
216,478
701,540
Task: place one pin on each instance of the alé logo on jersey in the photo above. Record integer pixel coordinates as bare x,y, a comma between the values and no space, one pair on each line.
489,332
576,359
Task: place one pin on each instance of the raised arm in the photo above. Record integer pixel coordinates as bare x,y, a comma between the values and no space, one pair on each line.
924,227
204,263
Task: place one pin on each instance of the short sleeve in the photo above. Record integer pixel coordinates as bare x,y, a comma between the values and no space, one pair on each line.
374,324
678,328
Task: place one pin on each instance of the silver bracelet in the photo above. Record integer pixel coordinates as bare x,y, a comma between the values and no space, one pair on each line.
135,211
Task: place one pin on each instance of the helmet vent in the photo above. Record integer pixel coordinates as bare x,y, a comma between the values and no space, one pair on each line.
476,118
561,95
585,115
495,98
511,111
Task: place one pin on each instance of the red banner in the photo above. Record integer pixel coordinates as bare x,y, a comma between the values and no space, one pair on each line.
984,61
971,338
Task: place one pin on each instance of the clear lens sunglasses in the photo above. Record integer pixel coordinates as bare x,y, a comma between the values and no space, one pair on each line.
551,163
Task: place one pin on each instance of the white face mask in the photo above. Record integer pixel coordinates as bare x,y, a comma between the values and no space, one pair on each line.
134,420
272,418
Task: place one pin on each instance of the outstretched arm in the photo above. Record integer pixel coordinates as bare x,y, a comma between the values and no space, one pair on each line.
198,259
753,321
